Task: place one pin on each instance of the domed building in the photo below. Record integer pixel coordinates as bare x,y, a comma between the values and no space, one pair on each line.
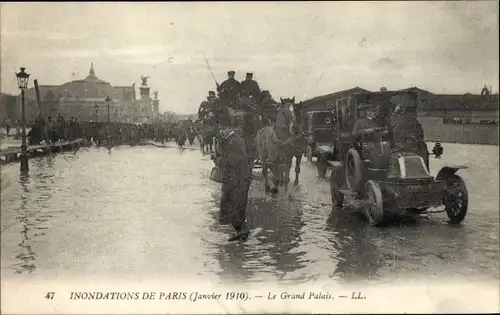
87,100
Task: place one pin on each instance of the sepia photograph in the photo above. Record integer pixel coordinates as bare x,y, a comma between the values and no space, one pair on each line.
249,157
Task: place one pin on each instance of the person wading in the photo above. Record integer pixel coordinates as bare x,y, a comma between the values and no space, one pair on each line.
236,178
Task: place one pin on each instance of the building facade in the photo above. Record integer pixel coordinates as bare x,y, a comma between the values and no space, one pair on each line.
91,99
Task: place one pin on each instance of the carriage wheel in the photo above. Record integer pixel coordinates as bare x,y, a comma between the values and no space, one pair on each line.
335,186
375,209
455,199
354,168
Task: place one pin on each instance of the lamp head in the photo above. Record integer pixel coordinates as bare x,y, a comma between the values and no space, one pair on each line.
22,79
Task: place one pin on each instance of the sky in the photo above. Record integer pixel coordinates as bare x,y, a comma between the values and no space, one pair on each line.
301,49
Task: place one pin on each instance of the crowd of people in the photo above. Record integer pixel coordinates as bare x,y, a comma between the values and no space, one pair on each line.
48,130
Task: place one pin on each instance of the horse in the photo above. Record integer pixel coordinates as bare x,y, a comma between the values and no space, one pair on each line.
275,145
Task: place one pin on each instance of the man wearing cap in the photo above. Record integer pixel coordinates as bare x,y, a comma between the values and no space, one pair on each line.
211,96
236,177
367,123
268,106
250,88
229,89
407,132
207,106
364,129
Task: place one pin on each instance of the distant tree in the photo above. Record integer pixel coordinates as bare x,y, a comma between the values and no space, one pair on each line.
50,103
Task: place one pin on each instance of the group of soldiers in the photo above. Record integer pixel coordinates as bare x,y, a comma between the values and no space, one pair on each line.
52,130
229,92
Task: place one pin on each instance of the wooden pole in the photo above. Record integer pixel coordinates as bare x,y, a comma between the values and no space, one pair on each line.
40,109
38,98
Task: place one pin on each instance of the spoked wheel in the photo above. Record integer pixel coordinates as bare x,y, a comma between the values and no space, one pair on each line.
335,186
375,208
354,169
456,199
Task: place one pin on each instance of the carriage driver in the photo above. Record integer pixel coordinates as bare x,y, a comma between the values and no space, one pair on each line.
207,106
407,132
366,124
250,88
229,89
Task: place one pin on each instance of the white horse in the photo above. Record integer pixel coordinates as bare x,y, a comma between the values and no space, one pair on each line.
275,146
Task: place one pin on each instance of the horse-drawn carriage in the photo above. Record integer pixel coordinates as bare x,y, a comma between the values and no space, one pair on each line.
272,134
318,127
393,181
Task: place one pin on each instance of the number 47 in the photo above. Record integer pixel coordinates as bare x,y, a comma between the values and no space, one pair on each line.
50,295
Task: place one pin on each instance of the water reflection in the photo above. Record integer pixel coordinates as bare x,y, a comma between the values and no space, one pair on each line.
230,255
425,246
26,254
33,211
282,219
357,257
46,216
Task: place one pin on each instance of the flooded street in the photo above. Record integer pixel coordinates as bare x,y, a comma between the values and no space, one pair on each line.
141,213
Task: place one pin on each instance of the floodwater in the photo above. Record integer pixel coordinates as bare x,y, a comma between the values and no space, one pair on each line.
142,213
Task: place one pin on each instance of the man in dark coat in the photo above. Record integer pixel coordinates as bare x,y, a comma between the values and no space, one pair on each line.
211,96
236,178
203,110
250,88
229,89
268,106
207,106
364,130
366,124
407,132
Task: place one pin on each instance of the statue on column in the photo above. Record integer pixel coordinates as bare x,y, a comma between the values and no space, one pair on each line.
144,80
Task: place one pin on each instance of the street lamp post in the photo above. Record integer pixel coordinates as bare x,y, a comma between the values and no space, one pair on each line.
22,82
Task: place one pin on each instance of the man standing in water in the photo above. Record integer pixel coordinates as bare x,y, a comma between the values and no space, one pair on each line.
236,178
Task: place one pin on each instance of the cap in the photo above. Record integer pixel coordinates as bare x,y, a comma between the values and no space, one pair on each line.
249,74
231,72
